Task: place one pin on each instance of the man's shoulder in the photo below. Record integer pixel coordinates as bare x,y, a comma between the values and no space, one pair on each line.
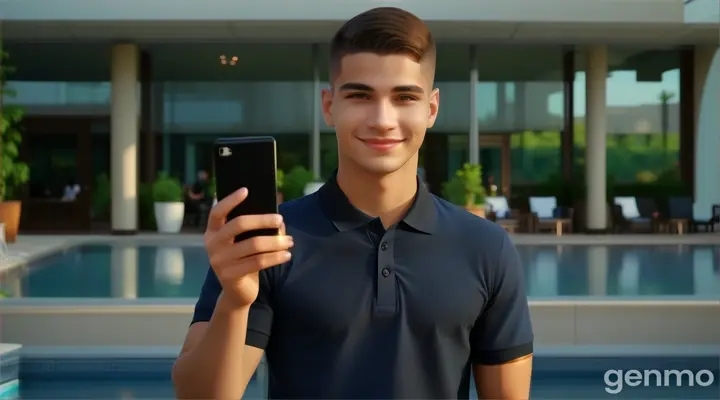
298,206
477,233
301,213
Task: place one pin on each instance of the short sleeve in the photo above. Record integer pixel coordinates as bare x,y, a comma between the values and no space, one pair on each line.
503,332
260,318
208,297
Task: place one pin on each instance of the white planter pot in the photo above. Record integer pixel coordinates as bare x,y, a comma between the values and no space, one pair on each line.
169,216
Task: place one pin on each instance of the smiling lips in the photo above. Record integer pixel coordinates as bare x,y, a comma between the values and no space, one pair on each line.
382,144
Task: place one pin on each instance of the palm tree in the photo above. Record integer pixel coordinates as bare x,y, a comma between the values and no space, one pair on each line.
665,97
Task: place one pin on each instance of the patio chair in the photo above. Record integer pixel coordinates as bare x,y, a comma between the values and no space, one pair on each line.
680,214
631,214
498,211
547,215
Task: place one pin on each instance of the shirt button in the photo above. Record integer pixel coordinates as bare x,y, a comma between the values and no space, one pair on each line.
384,246
386,272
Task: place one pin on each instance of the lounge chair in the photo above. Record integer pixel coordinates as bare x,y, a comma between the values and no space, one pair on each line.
498,210
681,214
631,214
547,215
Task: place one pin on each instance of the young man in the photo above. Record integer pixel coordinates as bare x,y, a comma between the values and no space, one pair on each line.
379,289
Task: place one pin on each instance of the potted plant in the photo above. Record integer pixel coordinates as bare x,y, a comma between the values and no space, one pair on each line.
295,181
13,173
465,189
167,195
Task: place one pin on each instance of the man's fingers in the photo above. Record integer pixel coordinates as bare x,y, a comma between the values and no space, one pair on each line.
254,263
245,223
251,247
218,214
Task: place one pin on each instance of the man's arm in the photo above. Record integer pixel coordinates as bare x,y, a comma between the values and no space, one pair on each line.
502,338
220,356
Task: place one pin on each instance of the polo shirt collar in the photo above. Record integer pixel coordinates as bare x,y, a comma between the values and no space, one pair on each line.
421,216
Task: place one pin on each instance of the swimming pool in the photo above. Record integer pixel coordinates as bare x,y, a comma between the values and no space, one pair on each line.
554,377
130,271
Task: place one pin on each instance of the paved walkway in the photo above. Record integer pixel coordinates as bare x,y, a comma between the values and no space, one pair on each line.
32,247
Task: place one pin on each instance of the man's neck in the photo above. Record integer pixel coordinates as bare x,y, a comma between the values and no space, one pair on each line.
386,196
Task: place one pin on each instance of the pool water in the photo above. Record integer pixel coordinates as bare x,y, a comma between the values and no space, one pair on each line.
126,271
151,389
108,389
554,377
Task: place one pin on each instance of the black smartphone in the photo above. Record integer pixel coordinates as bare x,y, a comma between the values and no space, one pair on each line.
249,162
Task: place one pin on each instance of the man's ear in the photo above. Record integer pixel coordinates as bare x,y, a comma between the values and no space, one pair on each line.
434,107
327,102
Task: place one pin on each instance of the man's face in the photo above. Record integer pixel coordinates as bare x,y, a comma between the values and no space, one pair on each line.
380,107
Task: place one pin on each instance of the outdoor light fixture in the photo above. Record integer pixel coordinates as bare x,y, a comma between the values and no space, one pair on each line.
224,60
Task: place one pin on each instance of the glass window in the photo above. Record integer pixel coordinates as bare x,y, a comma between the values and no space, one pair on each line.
643,114
252,90
520,93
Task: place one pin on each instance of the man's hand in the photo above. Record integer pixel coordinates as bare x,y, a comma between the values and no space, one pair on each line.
237,264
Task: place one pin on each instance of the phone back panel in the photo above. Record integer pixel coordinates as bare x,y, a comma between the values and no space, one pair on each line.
248,162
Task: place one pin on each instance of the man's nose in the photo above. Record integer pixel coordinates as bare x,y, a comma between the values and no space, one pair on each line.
384,116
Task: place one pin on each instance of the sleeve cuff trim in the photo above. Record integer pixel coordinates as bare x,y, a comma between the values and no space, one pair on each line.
504,356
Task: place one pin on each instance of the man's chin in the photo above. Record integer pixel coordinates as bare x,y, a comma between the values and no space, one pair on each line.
382,166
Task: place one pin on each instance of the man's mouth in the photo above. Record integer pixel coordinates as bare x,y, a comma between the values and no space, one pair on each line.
382,144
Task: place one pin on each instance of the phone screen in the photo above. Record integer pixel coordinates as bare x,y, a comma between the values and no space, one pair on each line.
248,162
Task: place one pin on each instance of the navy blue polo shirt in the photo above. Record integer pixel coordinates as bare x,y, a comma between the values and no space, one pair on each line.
366,312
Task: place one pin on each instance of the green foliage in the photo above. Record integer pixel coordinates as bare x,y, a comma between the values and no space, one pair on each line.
279,179
101,196
466,188
295,181
536,155
13,173
166,189
645,176
212,187
4,294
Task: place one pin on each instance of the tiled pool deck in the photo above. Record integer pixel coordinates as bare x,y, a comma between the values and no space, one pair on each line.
31,247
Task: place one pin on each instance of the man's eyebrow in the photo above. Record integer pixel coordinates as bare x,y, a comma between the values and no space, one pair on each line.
355,86
365,88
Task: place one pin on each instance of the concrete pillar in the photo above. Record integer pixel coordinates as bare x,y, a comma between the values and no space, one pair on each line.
124,138
474,139
124,271
316,110
707,125
596,71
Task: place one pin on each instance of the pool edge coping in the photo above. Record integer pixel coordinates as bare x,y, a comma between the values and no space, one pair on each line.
568,351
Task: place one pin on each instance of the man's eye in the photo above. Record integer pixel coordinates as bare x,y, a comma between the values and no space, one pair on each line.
358,96
407,97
